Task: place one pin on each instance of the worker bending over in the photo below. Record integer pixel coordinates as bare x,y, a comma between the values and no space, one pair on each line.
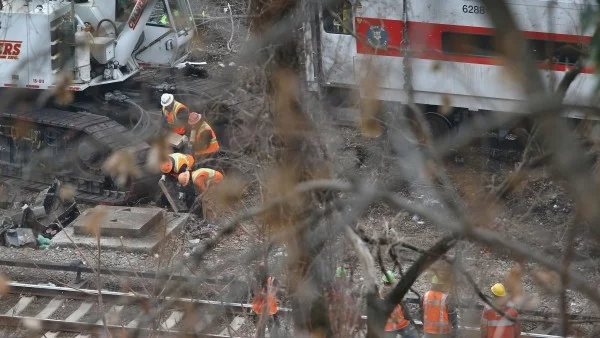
495,325
397,325
197,183
203,140
176,164
439,312
175,114
201,178
266,298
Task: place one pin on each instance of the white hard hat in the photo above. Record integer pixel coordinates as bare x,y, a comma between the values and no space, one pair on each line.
166,99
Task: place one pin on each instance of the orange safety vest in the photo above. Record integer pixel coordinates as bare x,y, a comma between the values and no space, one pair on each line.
203,177
179,160
270,294
213,146
171,117
397,320
498,326
435,313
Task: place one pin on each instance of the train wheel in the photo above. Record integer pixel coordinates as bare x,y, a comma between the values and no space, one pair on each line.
438,124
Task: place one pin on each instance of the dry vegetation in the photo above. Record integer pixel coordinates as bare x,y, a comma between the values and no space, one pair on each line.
330,196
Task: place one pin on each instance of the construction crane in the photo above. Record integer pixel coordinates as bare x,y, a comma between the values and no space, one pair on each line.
90,48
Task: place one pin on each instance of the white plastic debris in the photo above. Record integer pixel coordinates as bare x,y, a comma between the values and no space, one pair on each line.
32,324
183,64
221,64
186,254
415,218
194,241
420,222
231,64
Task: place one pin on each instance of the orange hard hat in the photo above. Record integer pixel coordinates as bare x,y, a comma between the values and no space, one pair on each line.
166,166
184,178
194,118
190,160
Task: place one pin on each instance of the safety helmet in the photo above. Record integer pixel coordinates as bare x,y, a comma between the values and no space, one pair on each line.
184,178
498,290
166,99
341,272
166,166
190,160
194,118
389,277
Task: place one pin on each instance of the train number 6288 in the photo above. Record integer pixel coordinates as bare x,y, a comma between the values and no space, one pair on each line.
473,9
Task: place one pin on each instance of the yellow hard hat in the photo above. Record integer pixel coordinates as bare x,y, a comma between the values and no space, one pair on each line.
498,290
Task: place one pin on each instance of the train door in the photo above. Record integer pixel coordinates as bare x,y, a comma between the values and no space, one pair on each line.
337,43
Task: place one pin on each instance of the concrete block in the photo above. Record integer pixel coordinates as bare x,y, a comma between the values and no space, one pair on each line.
123,221
171,223
8,196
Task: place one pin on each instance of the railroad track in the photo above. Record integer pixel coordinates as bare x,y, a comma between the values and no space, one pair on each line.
64,311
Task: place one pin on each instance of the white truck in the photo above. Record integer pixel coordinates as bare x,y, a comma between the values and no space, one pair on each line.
95,47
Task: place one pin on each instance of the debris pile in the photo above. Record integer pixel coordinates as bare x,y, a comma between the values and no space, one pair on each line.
35,225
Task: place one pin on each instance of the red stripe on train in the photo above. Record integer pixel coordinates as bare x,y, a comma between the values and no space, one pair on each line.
426,41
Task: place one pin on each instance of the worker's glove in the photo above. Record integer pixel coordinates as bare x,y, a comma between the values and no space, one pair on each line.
163,178
181,195
185,139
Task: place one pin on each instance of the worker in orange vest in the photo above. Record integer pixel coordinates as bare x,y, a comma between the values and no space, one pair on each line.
438,312
202,179
266,298
175,114
176,164
495,325
397,325
203,140
197,183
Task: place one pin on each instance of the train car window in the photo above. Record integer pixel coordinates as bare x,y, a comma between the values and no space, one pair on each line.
558,51
485,46
343,11
468,44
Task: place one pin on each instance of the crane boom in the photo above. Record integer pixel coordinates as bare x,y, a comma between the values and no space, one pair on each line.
132,31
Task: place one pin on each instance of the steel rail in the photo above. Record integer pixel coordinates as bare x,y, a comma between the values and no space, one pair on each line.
80,268
126,298
131,298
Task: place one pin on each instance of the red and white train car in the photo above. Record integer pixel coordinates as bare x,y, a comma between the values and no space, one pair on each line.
452,48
